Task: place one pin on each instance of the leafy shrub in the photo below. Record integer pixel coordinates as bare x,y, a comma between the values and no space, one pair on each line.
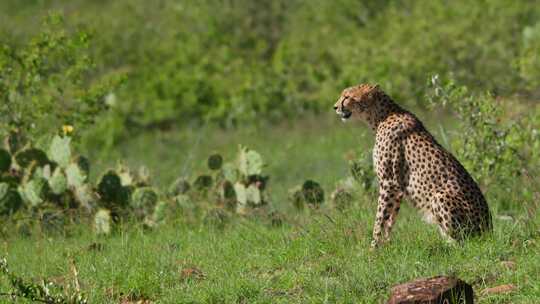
257,61
46,83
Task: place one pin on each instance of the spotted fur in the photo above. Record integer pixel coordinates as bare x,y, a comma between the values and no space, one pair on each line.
410,163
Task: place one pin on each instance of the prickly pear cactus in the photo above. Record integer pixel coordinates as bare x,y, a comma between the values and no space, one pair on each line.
83,163
85,196
296,197
31,156
179,186
34,192
127,178
230,172
249,162
14,142
227,195
103,222
76,175
58,181
313,193
144,200
254,197
342,199
10,200
5,161
241,193
143,176
215,161
203,182
60,150
111,191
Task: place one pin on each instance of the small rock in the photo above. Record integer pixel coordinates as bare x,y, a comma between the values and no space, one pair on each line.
509,265
506,288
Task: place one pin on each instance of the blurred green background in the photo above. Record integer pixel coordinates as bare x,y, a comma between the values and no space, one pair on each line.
238,62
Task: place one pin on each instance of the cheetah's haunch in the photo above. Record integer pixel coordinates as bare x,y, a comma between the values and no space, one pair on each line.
409,162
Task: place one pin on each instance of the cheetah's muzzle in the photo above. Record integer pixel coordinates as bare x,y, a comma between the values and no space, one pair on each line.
345,114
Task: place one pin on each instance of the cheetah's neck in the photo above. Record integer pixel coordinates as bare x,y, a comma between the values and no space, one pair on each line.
383,109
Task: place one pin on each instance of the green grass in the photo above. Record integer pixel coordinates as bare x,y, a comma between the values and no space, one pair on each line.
315,257
322,258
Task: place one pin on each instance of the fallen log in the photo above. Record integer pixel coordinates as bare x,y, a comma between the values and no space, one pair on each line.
436,290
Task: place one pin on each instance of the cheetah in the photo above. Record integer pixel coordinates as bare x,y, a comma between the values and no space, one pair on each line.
410,163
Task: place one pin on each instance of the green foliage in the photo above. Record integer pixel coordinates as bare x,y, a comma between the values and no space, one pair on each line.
46,292
492,146
529,60
45,83
247,62
363,172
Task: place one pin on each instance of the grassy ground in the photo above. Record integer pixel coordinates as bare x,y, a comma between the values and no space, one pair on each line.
315,257
322,258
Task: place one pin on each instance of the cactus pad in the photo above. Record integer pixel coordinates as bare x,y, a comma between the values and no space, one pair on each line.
215,161
341,199
179,186
110,188
60,150
5,161
313,193
34,191
144,200
76,175
27,157
10,200
103,221
203,182
250,162
58,181
296,197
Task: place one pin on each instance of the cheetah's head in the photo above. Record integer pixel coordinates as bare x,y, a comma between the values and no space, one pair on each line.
354,101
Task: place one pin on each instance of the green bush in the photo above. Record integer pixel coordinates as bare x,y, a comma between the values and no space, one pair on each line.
46,83
242,61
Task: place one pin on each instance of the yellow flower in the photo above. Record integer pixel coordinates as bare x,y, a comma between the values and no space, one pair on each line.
67,129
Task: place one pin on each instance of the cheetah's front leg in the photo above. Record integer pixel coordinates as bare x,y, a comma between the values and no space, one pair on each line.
387,210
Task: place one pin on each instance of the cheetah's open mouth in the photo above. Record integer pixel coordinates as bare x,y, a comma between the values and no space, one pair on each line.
345,114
